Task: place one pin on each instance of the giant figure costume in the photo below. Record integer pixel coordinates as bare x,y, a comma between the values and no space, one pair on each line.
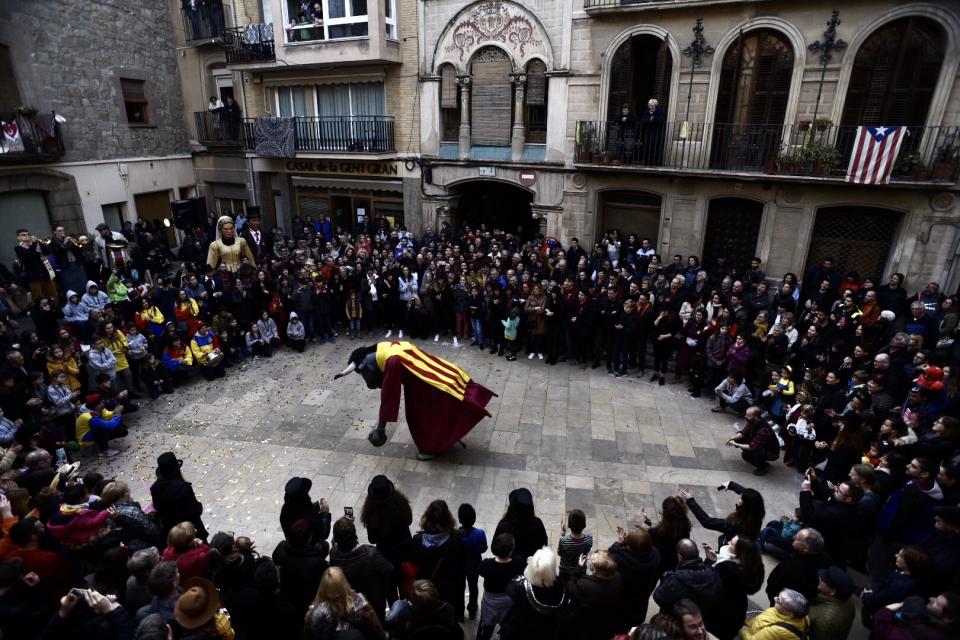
443,404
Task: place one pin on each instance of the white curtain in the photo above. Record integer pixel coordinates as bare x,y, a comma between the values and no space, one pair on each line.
333,100
359,99
294,101
367,99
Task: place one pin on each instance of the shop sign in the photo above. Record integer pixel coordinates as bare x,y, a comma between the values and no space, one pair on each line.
528,178
488,172
344,167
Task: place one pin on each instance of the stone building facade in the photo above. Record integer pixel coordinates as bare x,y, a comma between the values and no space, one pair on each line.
747,152
110,76
347,82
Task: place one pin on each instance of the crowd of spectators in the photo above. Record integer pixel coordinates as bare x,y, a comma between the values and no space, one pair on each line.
849,380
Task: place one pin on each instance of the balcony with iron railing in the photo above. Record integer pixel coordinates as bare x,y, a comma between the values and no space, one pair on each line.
203,20
927,154
30,137
250,44
357,134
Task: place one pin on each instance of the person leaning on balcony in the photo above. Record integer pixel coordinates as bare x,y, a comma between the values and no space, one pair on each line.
627,133
228,248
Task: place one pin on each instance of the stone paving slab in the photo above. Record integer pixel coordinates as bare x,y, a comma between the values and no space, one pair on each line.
577,438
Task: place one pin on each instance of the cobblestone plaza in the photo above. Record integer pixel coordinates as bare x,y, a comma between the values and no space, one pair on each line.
577,438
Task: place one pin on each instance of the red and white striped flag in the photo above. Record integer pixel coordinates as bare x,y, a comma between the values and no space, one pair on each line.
874,153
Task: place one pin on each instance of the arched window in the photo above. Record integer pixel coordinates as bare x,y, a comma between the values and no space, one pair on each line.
449,104
639,70
895,73
491,100
752,100
755,79
535,97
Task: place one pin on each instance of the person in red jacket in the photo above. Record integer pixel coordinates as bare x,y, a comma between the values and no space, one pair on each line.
76,525
187,550
53,569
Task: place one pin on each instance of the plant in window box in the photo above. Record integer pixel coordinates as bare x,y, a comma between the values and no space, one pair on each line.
789,162
588,143
945,165
822,156
822,124
771,162
909,165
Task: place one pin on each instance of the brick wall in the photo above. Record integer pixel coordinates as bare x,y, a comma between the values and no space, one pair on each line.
69,56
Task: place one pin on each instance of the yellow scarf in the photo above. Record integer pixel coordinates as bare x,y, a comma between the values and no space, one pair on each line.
436,372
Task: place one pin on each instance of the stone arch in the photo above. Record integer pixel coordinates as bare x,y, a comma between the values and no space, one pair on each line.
607,56
60,193
950,23
793,36
504,24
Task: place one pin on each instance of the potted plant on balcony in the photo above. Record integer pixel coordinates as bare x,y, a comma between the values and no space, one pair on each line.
789,163
588,143
945,165
910,165
821,156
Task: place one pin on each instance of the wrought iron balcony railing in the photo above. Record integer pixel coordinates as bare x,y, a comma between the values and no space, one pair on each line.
250,43
364,134
29,137
927,154
203,20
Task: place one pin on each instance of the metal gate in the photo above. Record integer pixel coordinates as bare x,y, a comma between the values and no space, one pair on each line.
857,238
733,225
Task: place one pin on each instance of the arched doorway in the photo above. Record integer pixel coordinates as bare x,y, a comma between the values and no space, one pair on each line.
733,226
631,212
857,238
893,78
497,205
754,89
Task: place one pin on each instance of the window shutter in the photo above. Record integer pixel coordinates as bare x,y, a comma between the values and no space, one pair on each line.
133,90
664,68
492,94
894,74
621,80
316,206
773,70
448,87
536,83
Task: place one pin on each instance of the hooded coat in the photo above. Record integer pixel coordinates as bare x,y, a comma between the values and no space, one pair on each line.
98,300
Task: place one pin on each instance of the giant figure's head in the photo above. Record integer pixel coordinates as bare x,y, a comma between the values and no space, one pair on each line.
364,362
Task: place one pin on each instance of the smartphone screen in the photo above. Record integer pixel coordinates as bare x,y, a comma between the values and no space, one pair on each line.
348,512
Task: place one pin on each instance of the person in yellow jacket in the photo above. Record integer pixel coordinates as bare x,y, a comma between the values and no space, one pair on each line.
116,341
785,620
58,360
205,347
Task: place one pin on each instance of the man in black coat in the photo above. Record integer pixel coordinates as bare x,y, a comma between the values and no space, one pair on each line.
639,564
800,570
259,241
837,518
367,571
173,497
693,580
301,563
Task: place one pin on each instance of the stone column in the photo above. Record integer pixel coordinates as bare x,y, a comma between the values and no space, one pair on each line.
518,136
464,146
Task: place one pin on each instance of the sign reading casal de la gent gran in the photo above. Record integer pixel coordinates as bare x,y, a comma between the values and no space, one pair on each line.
344,167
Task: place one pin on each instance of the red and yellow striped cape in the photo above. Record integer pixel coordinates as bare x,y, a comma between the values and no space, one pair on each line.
436,372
